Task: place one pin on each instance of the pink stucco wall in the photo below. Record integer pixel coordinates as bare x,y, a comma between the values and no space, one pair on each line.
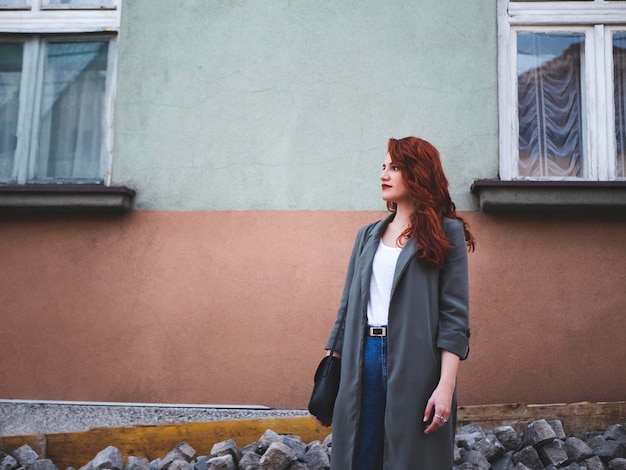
235,307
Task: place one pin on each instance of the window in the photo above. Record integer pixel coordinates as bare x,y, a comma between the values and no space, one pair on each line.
57,77
562,90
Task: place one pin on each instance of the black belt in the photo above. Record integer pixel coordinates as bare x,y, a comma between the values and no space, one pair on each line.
377,331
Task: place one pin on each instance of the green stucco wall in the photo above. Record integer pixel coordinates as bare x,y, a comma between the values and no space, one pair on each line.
281,105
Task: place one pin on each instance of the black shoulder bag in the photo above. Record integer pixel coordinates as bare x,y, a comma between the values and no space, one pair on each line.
326,385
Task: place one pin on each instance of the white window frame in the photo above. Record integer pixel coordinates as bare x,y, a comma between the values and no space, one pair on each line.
598,19
38,19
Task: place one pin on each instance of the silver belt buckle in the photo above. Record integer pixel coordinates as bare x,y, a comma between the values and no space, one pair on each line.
377,331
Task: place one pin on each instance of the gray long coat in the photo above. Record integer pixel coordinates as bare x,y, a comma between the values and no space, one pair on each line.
428,312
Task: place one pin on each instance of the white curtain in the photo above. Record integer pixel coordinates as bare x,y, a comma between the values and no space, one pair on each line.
550,105
71,123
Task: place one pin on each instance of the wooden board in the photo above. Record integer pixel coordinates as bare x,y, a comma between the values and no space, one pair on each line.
78,448
577,418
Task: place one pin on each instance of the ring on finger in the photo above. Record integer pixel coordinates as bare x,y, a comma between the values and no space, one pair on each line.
442,419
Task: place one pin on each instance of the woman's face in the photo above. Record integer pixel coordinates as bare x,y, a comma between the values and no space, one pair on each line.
394,189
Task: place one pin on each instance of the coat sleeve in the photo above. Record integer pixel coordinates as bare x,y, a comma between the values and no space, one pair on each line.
337,332
453,334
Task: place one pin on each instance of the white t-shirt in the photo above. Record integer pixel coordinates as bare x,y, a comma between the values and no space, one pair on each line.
383,268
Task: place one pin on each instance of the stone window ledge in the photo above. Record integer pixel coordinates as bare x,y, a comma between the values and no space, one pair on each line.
578,196
66,198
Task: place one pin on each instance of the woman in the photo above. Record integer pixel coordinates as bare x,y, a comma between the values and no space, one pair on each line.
406,328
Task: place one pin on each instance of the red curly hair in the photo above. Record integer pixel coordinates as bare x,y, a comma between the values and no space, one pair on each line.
422,173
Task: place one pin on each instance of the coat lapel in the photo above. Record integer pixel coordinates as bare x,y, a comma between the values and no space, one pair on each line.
406,255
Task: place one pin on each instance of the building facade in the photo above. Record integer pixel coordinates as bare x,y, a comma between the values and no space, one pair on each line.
181,186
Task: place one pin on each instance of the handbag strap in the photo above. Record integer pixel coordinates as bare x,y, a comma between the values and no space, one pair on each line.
341,326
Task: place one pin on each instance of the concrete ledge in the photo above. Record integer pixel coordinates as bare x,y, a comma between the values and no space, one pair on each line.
44,417
65,198
555,196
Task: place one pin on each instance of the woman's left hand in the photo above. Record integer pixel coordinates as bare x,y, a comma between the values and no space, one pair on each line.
438,409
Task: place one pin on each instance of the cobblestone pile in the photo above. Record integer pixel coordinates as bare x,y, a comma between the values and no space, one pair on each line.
542,445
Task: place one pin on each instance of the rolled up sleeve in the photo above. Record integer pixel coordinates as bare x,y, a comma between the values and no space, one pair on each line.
453,333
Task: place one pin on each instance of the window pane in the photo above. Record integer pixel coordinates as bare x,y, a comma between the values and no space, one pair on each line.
10,81
72,112
4,3
80,2
619,75
550,104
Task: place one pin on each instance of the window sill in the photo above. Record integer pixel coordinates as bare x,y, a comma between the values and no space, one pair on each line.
577,196
66,198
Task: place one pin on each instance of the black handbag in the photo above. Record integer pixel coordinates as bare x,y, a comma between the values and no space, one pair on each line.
326,384
324,394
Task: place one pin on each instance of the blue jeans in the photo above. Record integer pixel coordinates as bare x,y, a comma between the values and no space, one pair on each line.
370,435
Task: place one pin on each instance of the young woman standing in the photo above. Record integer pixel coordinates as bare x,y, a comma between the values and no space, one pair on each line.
406,328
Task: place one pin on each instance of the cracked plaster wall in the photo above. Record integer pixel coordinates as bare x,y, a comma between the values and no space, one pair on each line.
278,105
